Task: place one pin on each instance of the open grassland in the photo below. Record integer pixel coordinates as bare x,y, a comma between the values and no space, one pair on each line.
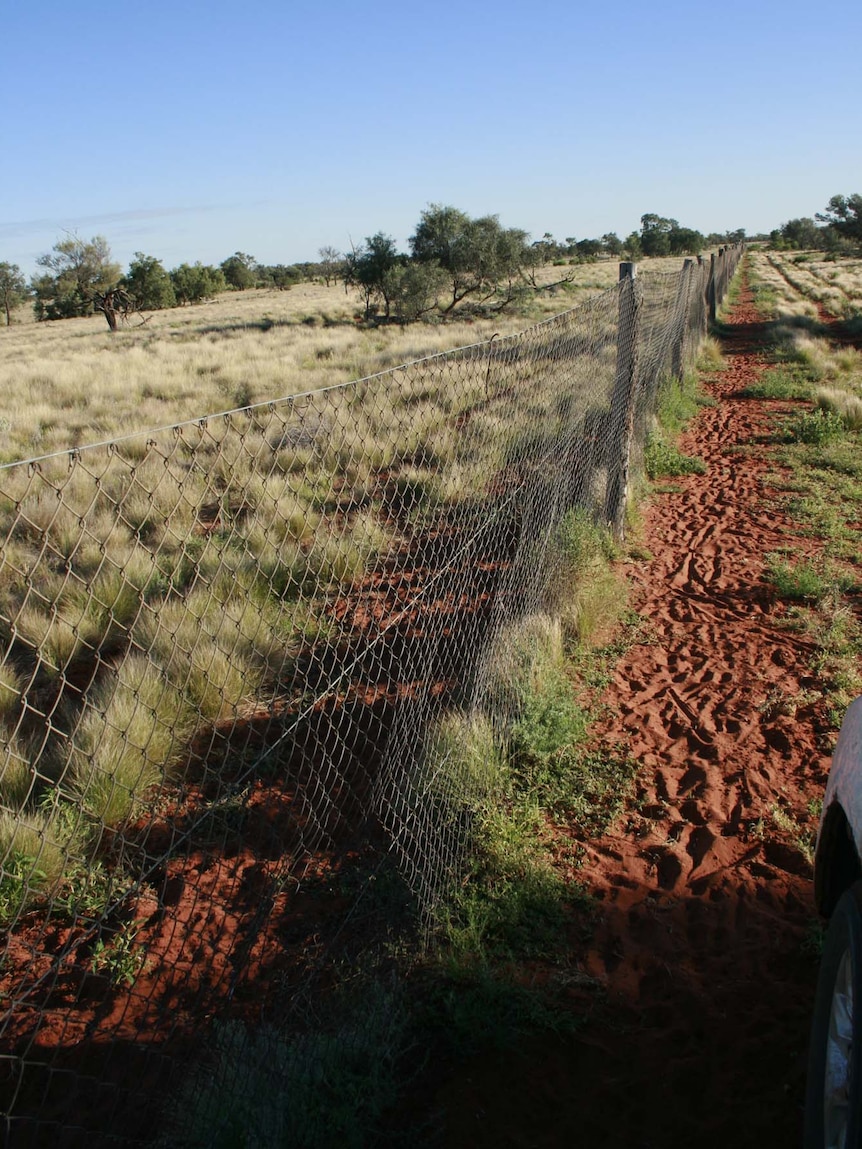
822,477
805,280
72,382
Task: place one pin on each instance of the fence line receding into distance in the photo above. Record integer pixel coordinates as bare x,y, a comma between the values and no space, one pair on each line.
224,645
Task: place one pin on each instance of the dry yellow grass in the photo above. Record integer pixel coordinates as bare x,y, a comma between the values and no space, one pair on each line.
71,382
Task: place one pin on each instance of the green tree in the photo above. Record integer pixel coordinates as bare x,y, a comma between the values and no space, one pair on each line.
75,272
195,282
240,271
13,288
799,234
588,250
413,288
279,276
844,216
612,244
655,234
685,241
149,284
368,268
632,245
481,257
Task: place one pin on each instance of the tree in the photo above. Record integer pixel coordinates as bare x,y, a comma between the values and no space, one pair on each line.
148,283
240,271
331,264
800,234
588,250
279,276
632,245
844,216
479,255
195,282
655,234
685,241
413,288
612,244
74,272
13,288
367,268
115,304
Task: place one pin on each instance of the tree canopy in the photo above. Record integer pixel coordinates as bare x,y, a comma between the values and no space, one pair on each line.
148,283
13,288
75,272
844,216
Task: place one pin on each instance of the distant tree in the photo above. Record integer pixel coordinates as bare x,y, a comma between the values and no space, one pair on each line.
331,264
546,249
685,241
368,267
800,234
115,304
75,271
279,276
193,283
414,288
844,216
655,234
148,283
632,245
13,288
240,271
612,244
588,250
480,257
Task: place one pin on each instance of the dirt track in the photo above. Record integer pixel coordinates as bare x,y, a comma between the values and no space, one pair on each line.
701,942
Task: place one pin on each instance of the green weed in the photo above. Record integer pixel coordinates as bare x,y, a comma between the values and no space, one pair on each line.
778,383
816,428
664,460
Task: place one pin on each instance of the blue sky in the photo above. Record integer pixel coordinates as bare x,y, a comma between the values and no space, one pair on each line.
190,129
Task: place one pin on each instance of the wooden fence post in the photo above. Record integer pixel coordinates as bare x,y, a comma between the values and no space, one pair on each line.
623,400
710,288
680,310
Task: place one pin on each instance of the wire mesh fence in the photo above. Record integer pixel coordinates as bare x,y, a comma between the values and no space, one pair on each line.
230,652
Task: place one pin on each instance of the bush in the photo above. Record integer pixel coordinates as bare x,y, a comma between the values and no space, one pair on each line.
816,427
664,460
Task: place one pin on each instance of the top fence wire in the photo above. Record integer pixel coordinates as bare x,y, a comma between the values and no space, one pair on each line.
228,651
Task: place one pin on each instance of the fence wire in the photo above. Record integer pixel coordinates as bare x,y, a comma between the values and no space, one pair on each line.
230,650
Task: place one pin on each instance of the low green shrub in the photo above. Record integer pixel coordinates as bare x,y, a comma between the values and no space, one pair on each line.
663,460
816,428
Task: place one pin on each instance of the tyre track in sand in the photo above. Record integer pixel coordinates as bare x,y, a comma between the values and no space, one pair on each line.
701,942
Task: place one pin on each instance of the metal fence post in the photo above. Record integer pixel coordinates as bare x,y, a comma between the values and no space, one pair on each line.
623,400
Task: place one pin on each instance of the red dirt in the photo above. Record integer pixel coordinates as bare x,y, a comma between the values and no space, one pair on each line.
700,946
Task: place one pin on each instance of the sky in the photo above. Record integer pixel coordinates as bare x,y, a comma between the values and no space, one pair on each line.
191,129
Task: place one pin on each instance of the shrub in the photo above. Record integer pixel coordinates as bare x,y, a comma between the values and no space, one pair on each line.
663,460
778,383
816,427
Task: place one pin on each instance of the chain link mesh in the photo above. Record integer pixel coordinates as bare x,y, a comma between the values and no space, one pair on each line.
229,649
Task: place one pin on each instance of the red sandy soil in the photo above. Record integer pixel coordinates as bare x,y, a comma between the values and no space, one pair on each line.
702,946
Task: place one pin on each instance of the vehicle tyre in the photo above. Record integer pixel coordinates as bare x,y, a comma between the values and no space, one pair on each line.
833,1097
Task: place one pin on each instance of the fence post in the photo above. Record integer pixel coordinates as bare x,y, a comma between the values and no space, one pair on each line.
710,289
623,400
680,310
